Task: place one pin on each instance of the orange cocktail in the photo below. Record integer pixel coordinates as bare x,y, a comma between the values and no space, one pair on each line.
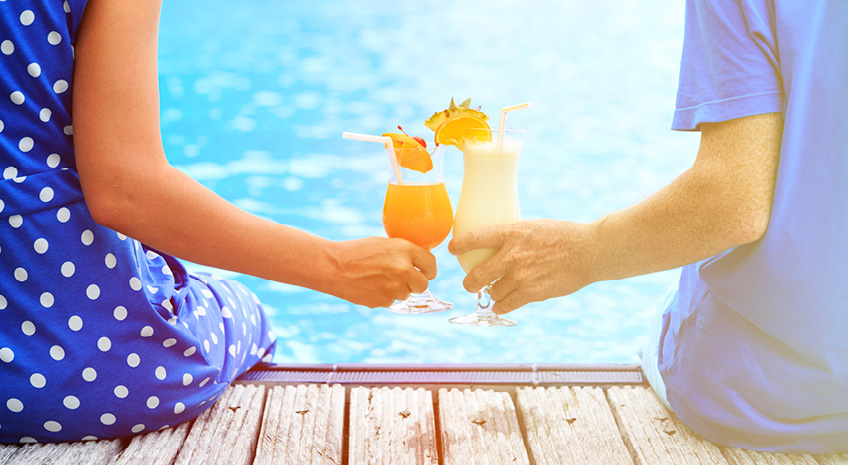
417,208
419,213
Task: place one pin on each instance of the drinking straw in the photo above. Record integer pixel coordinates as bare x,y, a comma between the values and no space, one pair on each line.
387,144
502,123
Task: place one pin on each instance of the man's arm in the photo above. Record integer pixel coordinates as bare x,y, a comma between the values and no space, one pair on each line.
723,201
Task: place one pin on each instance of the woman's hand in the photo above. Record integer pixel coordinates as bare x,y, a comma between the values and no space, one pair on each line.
536,260
375,271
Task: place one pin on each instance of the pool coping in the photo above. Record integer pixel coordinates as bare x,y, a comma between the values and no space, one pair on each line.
493,374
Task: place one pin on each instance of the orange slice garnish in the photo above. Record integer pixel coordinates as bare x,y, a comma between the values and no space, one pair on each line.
459,129
410,153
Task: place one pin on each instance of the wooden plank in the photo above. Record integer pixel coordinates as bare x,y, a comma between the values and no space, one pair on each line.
302,425
296,427
479,427
392,426
452,434
270,425
358,425
155,447
308,413
654,434
832,459
216,435
242,435
196,441
284,433
736,456
7,451
82,453
571,425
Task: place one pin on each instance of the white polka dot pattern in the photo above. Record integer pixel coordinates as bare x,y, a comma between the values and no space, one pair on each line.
105,337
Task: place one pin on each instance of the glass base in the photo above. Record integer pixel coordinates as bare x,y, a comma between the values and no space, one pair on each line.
421,303
476,319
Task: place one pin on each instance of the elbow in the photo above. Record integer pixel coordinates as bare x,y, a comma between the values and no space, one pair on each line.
105,209
119,199
114,207
748,225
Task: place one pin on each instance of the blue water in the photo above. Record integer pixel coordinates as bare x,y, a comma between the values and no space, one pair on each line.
255,96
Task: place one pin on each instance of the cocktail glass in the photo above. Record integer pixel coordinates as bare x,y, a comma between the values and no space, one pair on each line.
418,209
489,196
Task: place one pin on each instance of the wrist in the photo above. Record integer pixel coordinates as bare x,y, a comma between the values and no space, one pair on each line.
593,268
329,261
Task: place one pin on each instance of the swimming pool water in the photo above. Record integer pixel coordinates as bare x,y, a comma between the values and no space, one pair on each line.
255,96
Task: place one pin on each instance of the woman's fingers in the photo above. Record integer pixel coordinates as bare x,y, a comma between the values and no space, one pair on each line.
424,261
417,282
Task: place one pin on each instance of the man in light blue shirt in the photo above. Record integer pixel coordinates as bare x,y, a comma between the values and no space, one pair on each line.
752,348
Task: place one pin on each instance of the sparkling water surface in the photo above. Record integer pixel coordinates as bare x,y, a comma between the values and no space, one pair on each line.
255,96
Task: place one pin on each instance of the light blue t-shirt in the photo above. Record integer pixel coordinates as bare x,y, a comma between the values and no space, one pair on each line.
755,353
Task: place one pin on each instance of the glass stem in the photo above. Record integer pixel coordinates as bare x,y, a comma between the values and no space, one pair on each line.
484,303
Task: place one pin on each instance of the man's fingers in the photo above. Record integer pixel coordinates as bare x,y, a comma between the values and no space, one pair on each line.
504,287
511,302
485,273
424,261
489,237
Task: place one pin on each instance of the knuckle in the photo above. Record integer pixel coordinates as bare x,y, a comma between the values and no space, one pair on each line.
522,275
522,255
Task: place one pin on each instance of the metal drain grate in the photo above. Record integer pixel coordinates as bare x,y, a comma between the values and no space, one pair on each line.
528,374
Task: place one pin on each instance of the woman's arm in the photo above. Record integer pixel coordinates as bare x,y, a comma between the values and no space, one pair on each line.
723,201
130,187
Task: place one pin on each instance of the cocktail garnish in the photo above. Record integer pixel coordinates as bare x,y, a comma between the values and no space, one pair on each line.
418,138
411,154
459,123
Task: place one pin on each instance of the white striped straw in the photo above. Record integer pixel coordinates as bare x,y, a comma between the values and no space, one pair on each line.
502,124
387,144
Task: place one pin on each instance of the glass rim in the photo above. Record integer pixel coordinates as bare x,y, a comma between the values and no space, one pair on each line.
506,130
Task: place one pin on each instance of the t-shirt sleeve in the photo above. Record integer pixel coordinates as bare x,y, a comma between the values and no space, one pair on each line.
730,66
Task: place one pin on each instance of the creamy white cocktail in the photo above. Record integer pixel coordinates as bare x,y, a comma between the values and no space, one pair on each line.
489,192
489,196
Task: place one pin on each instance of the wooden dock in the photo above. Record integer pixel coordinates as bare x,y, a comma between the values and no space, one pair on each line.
525,415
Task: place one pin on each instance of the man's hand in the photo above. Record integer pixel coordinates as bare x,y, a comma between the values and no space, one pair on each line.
536,260
375,271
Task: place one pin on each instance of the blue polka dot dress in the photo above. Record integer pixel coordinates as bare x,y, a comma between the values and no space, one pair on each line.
100,335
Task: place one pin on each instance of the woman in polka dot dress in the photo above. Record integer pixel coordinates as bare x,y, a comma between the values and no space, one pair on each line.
103,333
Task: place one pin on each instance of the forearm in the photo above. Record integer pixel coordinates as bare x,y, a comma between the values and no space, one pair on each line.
723,201
171,212
130,187
691,219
